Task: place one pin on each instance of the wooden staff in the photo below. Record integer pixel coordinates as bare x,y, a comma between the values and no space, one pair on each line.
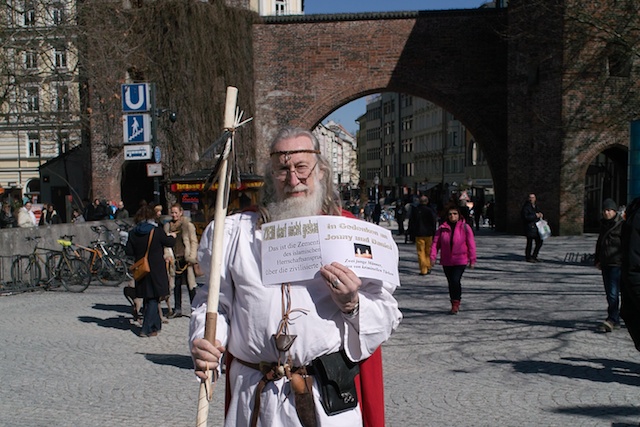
222,199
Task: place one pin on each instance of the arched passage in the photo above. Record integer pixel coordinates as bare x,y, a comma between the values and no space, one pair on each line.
337,70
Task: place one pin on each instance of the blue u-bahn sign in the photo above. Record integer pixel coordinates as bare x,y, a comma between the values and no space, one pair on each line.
136,97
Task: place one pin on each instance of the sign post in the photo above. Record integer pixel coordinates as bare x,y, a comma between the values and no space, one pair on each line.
139,128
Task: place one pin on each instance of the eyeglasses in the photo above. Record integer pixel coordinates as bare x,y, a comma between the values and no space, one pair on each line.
301,171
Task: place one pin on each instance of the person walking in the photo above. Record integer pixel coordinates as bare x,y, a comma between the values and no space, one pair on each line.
185,253
400,215
273,336
377,213
608,258
530,216
423,228
457,246
145,236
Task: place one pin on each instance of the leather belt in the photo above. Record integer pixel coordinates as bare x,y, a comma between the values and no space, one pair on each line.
266,367
272,371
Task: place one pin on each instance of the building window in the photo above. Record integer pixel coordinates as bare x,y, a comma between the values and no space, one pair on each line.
33,141
29,14
281,7
389,128
60,57
407,100
62,98
407,145
373,134
388,107
408,169
33,99
31,60
57,14
63,142
407,123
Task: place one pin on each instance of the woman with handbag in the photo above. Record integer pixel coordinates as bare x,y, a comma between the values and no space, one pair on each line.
147,240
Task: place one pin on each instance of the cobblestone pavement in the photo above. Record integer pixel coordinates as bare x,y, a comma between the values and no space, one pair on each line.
523,351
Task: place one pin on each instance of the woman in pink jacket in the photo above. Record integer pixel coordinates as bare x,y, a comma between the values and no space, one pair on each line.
454,239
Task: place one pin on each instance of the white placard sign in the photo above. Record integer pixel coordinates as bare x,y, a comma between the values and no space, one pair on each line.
295,249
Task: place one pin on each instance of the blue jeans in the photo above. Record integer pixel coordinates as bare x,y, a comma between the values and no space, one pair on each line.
151,321
611,280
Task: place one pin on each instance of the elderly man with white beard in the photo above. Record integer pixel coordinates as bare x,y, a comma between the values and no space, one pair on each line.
335,322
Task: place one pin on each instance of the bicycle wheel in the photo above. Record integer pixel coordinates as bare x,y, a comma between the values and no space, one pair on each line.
117,250
25,272
51,264
74,274
111,271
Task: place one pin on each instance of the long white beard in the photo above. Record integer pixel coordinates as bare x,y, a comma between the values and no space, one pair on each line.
295,207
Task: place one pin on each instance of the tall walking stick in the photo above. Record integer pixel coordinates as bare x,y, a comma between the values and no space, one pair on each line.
222,199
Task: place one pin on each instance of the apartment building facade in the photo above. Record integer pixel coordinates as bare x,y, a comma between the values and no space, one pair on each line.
40,101
340,148
408,145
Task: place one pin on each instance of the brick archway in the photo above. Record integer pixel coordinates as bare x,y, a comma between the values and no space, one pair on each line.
307,67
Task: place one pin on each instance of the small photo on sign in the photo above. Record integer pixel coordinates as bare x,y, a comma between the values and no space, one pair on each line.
362,251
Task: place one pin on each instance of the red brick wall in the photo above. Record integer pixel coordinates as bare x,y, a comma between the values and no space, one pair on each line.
305,69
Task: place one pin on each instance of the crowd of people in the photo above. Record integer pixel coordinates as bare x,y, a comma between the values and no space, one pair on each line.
20,213
282,343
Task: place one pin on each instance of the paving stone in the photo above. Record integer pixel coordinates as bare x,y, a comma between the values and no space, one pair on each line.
523,351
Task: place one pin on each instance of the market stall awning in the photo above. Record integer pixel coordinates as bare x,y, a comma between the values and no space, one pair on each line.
195,181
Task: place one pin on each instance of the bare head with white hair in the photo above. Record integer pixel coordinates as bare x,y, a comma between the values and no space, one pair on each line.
299,180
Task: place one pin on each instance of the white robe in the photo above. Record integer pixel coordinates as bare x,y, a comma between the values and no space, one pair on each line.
249,314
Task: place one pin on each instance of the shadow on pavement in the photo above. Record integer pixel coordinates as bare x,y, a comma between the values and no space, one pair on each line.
119,308
602,411
177,360
120,322
607,370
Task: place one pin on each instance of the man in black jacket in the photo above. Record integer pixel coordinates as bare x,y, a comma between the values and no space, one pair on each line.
608,259
530,216
630,283
423,228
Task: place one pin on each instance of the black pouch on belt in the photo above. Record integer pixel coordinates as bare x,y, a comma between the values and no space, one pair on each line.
336,374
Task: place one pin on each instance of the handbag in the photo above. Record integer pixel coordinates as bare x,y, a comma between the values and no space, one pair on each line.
543,229
141,267
336,376
197,270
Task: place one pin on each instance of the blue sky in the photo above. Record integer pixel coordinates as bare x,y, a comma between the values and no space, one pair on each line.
347,114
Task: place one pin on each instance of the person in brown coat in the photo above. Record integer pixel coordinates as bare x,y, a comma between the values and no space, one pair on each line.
185,254
155,285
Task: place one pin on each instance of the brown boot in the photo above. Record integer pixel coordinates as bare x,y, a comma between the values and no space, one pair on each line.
455,306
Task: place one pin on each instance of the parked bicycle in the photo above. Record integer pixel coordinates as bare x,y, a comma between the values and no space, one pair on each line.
116,245
109,269
60,268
